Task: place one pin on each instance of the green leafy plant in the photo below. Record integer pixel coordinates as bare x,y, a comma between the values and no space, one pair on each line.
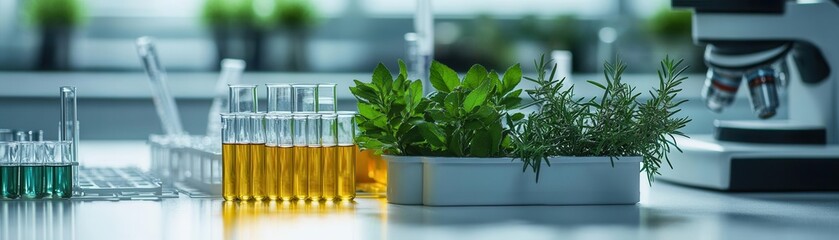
616,124
389,110
55,13
295,13
462,118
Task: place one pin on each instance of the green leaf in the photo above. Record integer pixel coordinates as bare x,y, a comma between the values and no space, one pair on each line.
403,70
443,78
381,77
474,77
368,111
480,146
433,134
415,91
512,77
477,97
451,104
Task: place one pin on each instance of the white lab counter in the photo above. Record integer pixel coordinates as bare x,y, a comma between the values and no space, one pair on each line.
665,212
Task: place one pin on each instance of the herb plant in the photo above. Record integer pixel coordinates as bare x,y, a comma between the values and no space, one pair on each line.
463,118
389,111
616,124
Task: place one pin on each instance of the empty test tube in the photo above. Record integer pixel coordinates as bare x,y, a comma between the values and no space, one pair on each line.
231,73
326,98
243,98
279,97
305,98
163,100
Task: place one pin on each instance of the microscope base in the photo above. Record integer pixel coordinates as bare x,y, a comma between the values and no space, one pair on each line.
732,166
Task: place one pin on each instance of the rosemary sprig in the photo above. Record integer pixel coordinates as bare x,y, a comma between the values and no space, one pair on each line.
616,124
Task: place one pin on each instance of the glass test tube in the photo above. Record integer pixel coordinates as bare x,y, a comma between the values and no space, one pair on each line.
231,73
242,98
32,185
305,98
59,171
68,127
167,110
345,128
279,97
47,152
326,96
314,160
228,157
257,146
9,170
329,143
243,157
278,157
300,156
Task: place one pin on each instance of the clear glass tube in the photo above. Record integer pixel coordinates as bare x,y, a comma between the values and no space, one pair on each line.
305,98
7,135
9,170
68,125
345,134
257,156
231,73
243,98
326,98
30,155
228,156
279,97
315,157
329,143
300,156
167,110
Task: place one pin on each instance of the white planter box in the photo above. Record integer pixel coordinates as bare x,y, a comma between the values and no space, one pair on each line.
404,179
500,181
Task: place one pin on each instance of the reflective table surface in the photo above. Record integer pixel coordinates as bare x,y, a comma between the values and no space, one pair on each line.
665,212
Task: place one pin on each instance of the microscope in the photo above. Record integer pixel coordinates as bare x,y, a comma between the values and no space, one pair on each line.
773,46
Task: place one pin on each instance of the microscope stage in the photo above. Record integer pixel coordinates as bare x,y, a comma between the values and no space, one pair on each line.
731,166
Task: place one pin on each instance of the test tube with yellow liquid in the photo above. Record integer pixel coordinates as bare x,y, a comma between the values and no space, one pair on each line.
228,157
329,144
257,156
345,129
242,105
315,157
300,156
278,157
279,161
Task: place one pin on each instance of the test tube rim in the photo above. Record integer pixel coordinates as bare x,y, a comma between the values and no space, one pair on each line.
268,85
242,85
307,85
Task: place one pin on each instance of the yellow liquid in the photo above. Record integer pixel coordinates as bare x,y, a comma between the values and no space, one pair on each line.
228,171
379,170
286,176
301,173
330,172
258,171
346,172
315,174
243,167
363,166
272,172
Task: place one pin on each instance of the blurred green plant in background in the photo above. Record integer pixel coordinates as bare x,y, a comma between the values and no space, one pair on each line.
55,20
252,22
670,25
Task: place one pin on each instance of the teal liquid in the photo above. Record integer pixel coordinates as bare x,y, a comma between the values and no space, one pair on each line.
9,182
62,181
33,184
48,181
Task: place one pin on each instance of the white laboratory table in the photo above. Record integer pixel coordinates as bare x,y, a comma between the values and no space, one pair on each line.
665,212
